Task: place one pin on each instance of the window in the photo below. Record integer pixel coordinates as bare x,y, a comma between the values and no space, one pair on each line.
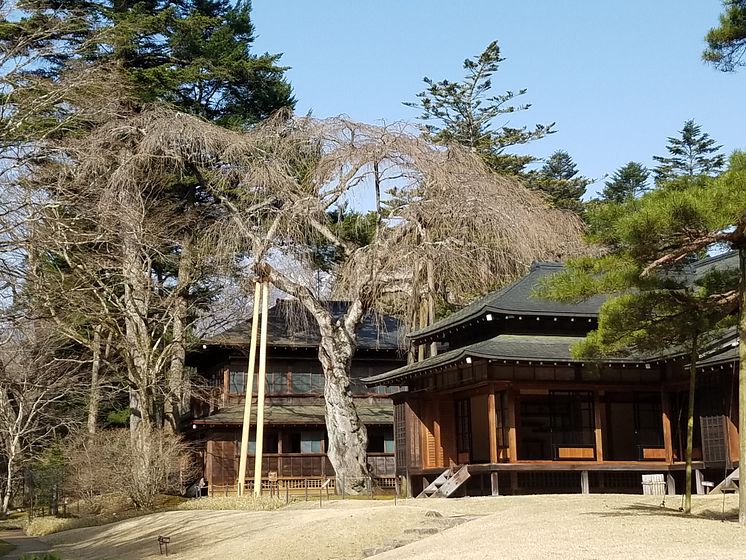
303,382
237,382
277,383
311,442
572,420
463,426
270,443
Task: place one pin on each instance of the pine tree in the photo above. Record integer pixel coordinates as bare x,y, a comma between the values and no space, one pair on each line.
627,182
88,62
692,158
726,44
464,113
559,179
649,240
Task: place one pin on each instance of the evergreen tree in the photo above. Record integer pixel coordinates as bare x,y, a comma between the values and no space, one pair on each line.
627,182
87,62
194,54
648,240
464,113
692,158
559,179
726,44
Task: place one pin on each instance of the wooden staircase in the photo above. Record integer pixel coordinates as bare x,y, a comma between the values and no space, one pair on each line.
730,484
446,484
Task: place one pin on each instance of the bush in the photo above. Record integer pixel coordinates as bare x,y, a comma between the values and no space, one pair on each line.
37,557
245,503
139,465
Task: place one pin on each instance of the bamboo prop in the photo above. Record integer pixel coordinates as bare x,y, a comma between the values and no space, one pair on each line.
249,393
260,394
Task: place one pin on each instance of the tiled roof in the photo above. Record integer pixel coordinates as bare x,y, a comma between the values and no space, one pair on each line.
311,413
533,348
516,299
290,325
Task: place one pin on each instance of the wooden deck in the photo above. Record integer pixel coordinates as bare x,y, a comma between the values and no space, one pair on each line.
538,466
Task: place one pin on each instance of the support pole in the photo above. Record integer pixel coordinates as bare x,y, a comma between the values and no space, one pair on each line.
249,392
261,381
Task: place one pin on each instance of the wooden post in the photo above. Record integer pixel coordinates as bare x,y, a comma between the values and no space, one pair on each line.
598,428
493,483
249,392
431,303
226,385
492,424
584,484
666,419
512,436
261,381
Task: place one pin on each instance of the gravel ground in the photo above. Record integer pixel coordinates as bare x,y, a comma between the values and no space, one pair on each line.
521,527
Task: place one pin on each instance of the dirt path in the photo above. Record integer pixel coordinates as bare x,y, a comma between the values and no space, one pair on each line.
23,545
523,527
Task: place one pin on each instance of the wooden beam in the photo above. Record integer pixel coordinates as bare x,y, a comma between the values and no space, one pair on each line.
261,382
248,392
494,483
598,427
226,383
666,419
492,423
585,487
512,434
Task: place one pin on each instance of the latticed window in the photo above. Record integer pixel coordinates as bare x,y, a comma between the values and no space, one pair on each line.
400,434
463,426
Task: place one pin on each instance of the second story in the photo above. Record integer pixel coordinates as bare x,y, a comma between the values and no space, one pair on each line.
294,372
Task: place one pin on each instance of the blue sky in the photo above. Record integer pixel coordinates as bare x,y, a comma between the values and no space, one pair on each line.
616,77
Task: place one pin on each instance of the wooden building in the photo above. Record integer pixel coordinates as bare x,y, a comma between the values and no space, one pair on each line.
503,407
295,436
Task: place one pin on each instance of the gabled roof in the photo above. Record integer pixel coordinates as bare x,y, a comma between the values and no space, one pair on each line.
310,413
291,325
509,347
517,299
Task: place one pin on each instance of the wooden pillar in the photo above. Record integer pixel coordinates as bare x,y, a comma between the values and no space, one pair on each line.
493,483
261,382
666,419
226,385
512,435
584,483
598,426
435,415
492,424
280,469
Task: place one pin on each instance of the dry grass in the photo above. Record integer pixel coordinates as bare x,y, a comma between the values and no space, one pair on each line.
246,503
520,527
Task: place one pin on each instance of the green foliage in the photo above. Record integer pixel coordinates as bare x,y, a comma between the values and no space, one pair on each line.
464,113
692,159
627,182
726,44
118,418
652,241
46,556
558,178
194,54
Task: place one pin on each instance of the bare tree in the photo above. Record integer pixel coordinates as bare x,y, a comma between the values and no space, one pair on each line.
39,380
275,188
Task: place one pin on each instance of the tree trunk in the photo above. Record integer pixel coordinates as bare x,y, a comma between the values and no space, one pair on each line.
742,381
94,397
348,438
693,357
135,273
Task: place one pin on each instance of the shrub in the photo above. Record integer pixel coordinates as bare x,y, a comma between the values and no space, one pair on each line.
139,465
